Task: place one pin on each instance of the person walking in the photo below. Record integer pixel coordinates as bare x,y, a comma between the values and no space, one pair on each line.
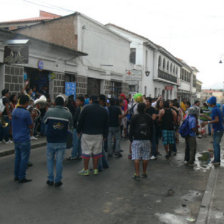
167,117
217,124
151,111
21,128
115,116
141,131
76,149
6,118
59,122
190,139
93,125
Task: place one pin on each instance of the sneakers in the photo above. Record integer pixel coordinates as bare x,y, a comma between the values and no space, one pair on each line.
7,142
144,175
95,172
58,184
135,177
72,158
23,181
153,158
215,163
84,172
33,138
118,155
50,183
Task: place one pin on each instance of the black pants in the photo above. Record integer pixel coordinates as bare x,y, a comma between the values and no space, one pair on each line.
190,149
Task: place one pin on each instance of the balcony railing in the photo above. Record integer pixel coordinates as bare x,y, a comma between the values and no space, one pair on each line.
166,76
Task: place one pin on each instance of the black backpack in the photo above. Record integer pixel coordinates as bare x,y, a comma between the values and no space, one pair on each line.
142,128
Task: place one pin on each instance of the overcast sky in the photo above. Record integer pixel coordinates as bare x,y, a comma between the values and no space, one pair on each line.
190,29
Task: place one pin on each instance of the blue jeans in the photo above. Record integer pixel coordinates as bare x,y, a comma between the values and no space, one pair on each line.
76,150
114,131
22,154
217,137
43,128
154,142
103,163
209,129
55,150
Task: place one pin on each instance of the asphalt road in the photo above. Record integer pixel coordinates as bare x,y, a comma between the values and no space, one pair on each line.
171,194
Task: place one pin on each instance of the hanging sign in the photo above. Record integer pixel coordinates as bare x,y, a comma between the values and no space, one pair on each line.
70,89
40,65
16,52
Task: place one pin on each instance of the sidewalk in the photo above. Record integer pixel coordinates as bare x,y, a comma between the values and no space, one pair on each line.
212,206
8,149
216,210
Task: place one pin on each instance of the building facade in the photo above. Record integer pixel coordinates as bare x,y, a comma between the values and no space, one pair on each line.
155,71
165,75
48,69
103,71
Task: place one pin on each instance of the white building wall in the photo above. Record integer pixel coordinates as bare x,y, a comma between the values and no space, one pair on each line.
137,43
147,81
107,52
186,86
158,87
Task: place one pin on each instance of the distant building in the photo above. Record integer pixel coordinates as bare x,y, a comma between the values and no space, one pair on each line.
198,88
207,93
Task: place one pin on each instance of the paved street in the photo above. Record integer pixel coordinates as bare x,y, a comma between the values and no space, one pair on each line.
171,192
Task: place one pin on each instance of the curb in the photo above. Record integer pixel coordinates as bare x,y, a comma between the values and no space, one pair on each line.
204,212
8,152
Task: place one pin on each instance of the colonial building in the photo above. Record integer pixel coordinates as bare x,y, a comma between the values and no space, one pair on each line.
104,69
154,70
135,79
166,74
185,82
198,88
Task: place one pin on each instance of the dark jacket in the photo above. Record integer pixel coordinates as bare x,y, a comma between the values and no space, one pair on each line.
93,120
141,127
58,121
114,112
76,116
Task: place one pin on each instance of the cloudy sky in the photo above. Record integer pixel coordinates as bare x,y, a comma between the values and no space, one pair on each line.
190,29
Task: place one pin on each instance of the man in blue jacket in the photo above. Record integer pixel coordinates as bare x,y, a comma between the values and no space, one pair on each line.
217,124
58,121
21,127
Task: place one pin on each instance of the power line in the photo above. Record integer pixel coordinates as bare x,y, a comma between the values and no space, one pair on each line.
47,5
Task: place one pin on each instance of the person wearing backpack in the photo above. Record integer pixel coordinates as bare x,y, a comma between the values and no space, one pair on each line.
189,131
141,129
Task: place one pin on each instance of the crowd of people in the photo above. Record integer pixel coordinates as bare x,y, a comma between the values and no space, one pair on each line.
93,128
